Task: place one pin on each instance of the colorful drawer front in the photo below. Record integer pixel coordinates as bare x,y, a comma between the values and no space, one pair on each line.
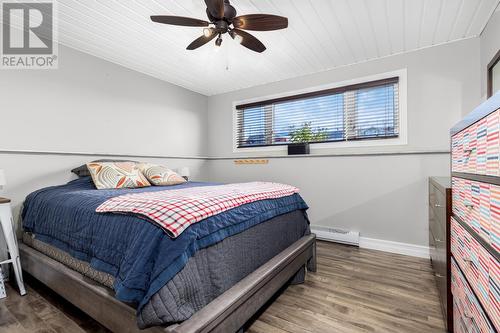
466,304
478,205
476,149
494,292
479,267
459,321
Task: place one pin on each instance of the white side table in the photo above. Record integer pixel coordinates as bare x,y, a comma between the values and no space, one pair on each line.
11,240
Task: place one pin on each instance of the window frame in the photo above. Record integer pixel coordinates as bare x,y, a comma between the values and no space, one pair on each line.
495,61
371,142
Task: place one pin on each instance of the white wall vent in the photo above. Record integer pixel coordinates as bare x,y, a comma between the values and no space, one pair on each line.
336,235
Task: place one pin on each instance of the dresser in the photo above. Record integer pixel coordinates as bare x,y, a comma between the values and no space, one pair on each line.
439,241
475,220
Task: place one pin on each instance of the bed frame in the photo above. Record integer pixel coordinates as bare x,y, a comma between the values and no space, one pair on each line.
227,313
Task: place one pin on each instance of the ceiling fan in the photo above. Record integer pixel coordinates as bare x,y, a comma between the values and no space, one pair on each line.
222,19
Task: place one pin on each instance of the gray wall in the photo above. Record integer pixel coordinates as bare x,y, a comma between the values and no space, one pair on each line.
490,44
91,105
383,197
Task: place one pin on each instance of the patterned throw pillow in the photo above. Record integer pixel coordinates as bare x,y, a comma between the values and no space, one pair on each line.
108,175
83,171
160,175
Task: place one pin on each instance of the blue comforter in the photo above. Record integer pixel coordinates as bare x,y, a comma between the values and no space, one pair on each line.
140,255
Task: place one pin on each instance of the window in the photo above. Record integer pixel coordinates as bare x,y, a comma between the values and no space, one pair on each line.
363,111
494,75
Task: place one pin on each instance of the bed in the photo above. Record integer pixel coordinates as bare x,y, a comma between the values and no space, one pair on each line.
127,274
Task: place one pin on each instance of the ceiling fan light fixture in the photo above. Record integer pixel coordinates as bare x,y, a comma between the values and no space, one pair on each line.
218,41
207,32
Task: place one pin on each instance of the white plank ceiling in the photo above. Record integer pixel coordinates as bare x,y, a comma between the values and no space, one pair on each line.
322,34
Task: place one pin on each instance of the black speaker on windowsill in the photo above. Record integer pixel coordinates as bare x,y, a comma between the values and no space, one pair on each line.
298,148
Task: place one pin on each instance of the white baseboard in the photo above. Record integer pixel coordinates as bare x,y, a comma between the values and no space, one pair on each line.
382,245
395,247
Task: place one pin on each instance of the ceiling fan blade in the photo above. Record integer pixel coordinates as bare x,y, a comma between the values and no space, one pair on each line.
216,8
248,40
200,41
179,20
260,22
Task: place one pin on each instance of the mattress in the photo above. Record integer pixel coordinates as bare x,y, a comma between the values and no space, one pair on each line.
65,258
208,274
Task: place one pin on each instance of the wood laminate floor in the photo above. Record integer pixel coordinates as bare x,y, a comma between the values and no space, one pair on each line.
354,290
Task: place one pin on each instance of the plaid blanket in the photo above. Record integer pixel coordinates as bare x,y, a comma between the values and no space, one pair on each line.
176,210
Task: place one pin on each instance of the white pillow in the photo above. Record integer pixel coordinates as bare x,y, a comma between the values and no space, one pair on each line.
160,175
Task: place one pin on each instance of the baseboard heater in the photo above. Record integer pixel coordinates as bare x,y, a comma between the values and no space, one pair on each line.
336,235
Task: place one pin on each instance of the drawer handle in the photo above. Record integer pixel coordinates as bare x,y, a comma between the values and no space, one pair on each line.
438,240
467,314
469,150
438,205
470,206
438,275
468,260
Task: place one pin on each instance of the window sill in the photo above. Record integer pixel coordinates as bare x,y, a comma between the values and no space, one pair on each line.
362,145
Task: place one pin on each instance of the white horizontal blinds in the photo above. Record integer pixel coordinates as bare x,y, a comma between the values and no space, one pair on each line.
253,126
348,113
319,119
372,112
276,123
